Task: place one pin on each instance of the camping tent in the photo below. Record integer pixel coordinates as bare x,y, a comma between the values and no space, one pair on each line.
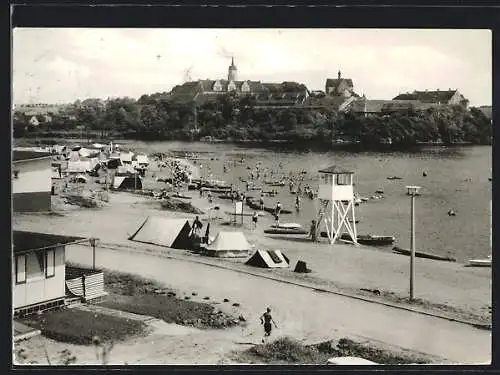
163,231
268,259
229,244
126,157
79,166
127,182
87,153
142,160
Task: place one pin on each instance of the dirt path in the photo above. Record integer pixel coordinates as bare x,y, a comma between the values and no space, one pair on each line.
302,313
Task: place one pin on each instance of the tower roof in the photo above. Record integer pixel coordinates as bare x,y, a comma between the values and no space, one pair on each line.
232,63
334,169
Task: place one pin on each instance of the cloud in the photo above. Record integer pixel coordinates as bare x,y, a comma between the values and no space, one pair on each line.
53,65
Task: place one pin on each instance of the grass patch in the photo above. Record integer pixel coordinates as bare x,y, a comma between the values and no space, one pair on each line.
285,350
79,327
142,296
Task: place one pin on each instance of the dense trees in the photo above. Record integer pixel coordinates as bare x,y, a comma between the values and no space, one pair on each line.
234,117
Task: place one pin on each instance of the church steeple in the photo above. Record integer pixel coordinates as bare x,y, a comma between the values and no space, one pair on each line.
232,71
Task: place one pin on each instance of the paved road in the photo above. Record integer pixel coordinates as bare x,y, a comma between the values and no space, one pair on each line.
301,312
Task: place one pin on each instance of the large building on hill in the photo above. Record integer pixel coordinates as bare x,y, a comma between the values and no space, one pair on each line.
342,87
448,97
206,90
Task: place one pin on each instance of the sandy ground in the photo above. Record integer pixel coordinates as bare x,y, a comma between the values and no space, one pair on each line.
300,312
464,292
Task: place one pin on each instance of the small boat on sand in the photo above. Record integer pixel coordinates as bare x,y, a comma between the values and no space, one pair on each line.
286,231
367,239
256,206
181,196
394,178
275,183
480,262
259,213
287,226
421,254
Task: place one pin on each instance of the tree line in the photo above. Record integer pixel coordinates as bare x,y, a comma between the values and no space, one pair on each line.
237,118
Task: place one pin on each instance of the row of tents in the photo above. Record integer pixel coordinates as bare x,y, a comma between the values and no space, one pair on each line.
176,233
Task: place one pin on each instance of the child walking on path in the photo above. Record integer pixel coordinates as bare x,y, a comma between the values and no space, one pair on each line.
267,319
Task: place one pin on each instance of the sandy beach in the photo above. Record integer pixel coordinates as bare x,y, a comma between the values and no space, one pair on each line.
441,287
448,294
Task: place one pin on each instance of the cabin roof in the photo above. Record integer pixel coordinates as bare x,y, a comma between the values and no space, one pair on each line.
29,241
334,169
18,155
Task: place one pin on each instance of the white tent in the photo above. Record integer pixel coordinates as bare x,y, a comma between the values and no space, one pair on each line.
229,244
142,160
126,157
74,156
84,152
79,166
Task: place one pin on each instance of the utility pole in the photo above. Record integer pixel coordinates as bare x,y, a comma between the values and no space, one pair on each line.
412,191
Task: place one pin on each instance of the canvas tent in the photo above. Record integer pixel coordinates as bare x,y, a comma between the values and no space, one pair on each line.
126,157
79,166
127,182
268,259
229,244
163,231
142,160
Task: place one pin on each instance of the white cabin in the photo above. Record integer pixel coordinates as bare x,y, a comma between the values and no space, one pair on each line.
336,184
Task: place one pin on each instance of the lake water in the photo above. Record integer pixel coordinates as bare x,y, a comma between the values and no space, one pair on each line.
457,178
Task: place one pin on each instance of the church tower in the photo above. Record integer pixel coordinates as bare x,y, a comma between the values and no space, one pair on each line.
232,71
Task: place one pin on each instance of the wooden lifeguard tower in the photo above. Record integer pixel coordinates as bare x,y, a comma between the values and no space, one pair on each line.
336,204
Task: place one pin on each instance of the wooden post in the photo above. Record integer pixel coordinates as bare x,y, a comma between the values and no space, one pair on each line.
412,257
92,243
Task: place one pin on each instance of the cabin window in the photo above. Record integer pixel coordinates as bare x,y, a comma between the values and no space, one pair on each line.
36,266
20,269
343,179
50,261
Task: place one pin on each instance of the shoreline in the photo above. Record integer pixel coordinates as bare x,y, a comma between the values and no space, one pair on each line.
272,143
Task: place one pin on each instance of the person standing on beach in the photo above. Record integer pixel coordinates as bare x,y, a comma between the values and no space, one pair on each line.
313,231
278,208
266,319
297,203
261,201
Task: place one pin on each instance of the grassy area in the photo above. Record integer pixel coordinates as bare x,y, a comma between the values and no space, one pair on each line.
285,350
146,297
79,327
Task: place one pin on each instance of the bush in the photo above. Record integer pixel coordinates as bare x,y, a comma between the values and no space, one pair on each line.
288,350
79,327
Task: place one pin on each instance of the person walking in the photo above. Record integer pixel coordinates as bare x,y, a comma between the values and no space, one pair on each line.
266,319
255,218
278,208
297,203
261,201
197,225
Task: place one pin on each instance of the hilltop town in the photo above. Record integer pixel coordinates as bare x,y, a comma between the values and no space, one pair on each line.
232,109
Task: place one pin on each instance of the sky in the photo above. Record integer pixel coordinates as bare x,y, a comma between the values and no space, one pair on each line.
62,65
